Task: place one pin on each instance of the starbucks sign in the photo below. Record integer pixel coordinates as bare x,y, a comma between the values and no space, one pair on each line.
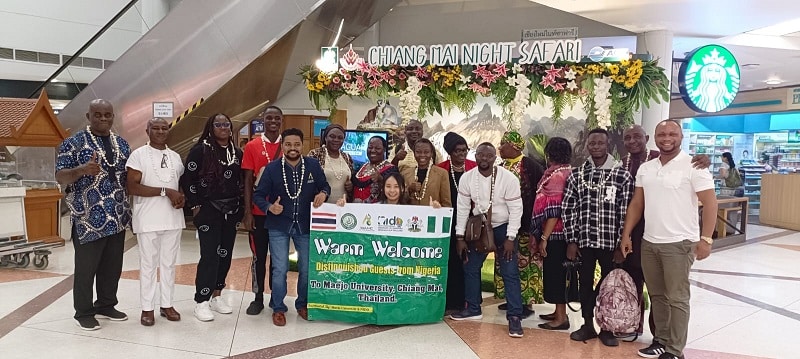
709,79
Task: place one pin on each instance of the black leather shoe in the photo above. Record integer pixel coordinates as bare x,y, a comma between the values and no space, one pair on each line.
586,332
562,326
255,308
503,306
608,339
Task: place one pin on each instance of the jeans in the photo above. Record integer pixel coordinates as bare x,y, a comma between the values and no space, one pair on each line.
279,249
509,270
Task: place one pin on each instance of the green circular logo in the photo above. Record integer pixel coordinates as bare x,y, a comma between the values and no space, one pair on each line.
709,79
349,221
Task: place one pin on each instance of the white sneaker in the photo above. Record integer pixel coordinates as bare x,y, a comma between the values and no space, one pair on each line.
202,312
220,306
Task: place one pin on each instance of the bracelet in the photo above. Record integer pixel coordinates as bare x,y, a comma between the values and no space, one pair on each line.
196,207
544,238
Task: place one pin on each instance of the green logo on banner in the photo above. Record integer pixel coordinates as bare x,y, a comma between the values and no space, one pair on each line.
709,79
349,221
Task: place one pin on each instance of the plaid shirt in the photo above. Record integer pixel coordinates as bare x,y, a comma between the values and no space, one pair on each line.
594,218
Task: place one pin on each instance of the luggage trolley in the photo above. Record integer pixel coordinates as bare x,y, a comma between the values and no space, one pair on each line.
18,252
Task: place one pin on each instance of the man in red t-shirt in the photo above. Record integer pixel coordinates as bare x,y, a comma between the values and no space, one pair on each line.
257,154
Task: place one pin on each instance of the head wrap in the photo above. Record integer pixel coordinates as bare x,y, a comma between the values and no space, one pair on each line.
515,139
326,130
451,140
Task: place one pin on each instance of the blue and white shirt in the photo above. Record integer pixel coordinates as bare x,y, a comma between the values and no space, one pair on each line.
99,204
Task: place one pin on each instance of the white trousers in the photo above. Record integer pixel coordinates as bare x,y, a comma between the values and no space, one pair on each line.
158,250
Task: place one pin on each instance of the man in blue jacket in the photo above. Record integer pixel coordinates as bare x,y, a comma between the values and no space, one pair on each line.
284,193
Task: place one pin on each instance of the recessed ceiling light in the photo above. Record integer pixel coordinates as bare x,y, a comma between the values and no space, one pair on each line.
54,80
773,81
750,66
779,29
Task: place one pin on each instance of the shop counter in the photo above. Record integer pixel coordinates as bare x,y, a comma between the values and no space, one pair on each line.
731,227
780,201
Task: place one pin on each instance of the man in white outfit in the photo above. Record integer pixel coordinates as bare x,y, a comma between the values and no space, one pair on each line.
153,173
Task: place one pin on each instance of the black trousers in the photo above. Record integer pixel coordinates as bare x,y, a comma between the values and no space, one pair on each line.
455,278
589,258
101,259
217,232
259,245
554,275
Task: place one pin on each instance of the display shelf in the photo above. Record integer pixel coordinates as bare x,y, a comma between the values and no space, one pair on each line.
713,145
751,176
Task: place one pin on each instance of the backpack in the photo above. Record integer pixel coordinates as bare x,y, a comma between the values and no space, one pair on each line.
734,178
617,308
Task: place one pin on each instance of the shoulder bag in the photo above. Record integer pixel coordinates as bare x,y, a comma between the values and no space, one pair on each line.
480,233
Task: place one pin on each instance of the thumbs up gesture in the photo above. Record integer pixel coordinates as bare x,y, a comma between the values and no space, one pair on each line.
92,168
276,208
341,201
435,203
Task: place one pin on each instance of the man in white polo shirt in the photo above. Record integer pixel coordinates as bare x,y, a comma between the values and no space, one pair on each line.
671,187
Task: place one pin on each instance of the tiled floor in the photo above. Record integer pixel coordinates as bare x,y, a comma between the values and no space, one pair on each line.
745,304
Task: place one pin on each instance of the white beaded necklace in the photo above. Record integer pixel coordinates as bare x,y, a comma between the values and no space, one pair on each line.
453,174
101,151
157,169
295,178
491,191
229,152
628,160
264,141
557,170
590,185
338,170
421,195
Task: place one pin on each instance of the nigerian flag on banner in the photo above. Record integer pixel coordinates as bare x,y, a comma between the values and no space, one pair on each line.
378,264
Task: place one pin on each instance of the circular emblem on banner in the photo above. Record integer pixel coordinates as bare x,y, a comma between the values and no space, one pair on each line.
349,221
709,79
596,54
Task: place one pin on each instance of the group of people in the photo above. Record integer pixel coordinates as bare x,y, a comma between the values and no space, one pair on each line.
542,216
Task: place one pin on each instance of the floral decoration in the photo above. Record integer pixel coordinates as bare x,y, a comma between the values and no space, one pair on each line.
610,92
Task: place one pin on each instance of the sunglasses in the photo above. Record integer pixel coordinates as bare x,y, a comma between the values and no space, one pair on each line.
222,124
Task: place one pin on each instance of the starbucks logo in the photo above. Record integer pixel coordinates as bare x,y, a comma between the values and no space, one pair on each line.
349,221
709,79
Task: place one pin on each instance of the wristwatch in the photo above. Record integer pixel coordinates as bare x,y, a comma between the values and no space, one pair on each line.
163,192
708,240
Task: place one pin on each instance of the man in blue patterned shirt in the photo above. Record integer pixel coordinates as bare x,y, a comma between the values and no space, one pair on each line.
91,166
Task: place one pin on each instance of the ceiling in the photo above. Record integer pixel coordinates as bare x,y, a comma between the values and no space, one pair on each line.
695,23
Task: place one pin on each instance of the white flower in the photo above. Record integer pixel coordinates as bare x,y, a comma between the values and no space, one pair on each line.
517,68
571,85
465,79
602,101
410,100
569,74
511,81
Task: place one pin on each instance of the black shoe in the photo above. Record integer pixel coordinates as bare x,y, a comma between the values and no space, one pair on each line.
653,351
503,306
255,308
527,312
550,316
586,332
87,323
608,339
562,326
111,314
515,327
669,356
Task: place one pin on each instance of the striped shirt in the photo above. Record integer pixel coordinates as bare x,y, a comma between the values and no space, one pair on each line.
594,205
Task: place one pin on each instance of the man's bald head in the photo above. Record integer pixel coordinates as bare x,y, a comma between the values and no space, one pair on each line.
156,120
635,139
100,103
100,116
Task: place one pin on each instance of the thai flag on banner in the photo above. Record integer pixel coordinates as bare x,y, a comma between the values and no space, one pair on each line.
323,221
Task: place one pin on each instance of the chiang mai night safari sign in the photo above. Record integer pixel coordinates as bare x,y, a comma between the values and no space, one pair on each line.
709,79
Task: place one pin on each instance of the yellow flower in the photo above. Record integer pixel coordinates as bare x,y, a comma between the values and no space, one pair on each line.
630,83
638,63
429,68
435,76
310,86
619,79
319,85
614,69
625,63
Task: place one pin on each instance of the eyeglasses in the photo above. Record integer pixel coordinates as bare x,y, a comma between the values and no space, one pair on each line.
222,124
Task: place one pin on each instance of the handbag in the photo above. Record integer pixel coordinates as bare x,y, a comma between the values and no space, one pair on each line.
480,233
226,205
571,291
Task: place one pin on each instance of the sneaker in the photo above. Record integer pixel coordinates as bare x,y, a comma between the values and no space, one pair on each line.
583,334
666,355
219,305
466,315
111,314
515,327
653,351
87,323
608,339
202,311
527,312
255,308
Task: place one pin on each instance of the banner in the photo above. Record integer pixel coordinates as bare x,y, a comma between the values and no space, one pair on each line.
378,264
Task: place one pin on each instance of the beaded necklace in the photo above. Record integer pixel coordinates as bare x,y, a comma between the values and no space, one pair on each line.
421,195
165,160
628,160
491,191
295,178
338,170
453,174
102,151
557,170
591,185
229,152
264,140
